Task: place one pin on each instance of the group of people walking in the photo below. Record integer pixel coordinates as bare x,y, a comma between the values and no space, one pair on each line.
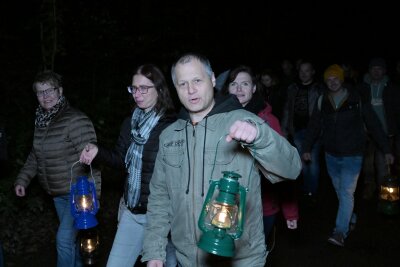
170,156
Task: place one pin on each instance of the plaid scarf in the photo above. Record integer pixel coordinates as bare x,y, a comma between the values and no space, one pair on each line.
44,117
141,125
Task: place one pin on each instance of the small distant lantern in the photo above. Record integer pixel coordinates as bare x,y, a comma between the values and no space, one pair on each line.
389,196
89,243
222,216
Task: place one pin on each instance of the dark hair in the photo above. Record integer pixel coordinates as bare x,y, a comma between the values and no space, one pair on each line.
271,73
234,73
263,90
48,76
154,74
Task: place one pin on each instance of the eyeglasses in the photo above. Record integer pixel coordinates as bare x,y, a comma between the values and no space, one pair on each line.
143,89
47,92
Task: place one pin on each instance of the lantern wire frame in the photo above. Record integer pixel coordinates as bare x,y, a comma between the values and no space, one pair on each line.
91,175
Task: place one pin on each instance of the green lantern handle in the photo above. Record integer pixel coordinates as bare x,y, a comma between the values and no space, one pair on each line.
242,193
215,159
91,175
215,156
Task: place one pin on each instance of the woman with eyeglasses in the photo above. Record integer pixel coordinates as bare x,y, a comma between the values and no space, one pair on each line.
61,132
136,151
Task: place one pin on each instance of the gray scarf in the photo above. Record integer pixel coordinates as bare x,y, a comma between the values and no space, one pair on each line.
141,125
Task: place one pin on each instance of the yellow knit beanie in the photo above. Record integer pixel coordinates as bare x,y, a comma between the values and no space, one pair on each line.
334,70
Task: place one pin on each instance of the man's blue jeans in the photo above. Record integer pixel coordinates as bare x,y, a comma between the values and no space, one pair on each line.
67,251
344,173
311,169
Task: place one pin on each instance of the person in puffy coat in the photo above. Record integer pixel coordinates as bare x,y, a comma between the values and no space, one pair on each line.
61,132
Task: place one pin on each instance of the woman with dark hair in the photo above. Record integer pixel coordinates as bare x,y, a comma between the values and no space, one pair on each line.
242,82
272,91
136,151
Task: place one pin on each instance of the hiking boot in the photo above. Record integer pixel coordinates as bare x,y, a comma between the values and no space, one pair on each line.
337,239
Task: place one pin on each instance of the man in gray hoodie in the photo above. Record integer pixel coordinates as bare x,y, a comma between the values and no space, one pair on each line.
211,135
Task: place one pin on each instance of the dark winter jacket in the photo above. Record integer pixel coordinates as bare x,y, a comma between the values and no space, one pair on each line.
55,149
287,122
116,157
343,129
391,103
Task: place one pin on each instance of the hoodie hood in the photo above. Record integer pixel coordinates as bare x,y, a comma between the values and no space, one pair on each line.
223,103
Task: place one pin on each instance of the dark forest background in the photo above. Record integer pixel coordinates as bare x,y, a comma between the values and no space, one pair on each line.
95,45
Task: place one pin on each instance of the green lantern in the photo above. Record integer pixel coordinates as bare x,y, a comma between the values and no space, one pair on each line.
222,216
389,196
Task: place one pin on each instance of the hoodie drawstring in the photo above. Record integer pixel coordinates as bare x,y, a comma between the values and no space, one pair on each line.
204,152
187,153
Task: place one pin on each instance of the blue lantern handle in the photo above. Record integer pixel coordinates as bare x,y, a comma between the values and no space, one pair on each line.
91,175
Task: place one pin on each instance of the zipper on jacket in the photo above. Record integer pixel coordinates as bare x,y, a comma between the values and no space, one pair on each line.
193,192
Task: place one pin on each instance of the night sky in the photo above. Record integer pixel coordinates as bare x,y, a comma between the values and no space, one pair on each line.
120,32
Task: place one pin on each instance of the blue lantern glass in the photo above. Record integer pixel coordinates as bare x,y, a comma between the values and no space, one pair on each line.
84,204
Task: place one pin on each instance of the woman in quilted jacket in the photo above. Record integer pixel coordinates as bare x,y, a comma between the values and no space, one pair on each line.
61,132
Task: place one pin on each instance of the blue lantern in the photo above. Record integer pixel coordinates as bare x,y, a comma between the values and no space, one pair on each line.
84,204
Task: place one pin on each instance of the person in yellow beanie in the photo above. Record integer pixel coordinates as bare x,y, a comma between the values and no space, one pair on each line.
334,71
340,118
